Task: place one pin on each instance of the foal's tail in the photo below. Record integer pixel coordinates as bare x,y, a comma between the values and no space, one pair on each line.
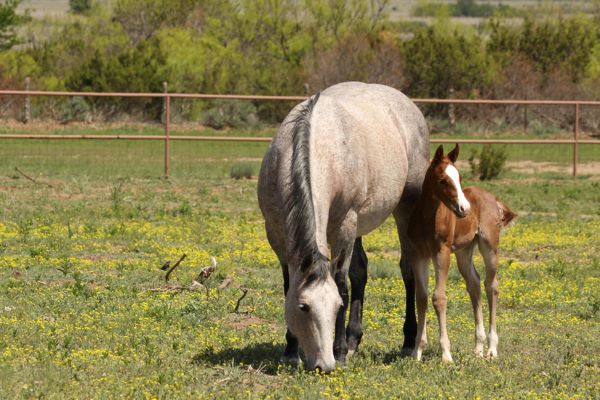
507,214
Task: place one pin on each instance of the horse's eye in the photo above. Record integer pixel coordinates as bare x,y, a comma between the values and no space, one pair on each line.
443,182
304,307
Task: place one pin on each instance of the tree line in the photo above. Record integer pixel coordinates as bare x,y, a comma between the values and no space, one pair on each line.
289,47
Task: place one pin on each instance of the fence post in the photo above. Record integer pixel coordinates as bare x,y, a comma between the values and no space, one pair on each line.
575,139
27,110
167,132
164,110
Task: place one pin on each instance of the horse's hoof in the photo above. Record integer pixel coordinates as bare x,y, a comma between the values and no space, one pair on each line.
492,354
292,361
447,358
479,352
350,354
406,352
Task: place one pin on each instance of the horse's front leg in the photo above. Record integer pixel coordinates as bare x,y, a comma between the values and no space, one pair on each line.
290,354
441,262
358,281
342,255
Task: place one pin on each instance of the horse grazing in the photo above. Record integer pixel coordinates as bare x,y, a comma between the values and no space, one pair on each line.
449,220
340,164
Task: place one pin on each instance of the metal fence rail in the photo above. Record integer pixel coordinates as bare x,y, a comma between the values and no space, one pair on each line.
167,137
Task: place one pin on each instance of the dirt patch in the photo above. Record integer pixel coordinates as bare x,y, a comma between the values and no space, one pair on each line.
244,321
592,167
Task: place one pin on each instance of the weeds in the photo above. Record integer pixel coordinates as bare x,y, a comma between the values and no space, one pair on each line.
242,170
490,164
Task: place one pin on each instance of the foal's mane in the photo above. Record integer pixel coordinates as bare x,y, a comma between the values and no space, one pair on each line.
301,221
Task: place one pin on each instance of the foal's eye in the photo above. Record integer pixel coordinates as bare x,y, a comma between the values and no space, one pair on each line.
443,182
304,307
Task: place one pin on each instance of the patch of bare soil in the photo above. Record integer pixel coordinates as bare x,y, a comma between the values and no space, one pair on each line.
243,321
531,167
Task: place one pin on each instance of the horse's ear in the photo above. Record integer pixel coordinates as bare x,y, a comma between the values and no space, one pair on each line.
439,153
453,155
336,263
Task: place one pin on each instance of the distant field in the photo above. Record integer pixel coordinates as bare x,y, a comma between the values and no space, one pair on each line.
398,8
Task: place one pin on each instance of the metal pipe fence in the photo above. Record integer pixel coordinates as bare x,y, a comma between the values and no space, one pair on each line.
167,137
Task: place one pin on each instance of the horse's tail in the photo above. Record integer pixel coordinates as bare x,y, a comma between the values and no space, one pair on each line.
507,214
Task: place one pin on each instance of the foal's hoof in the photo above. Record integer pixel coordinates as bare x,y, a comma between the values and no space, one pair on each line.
492,354
350,354
292,361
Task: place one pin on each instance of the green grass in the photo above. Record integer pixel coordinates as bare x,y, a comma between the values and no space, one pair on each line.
77,260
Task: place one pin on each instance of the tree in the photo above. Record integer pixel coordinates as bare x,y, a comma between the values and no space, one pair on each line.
9,20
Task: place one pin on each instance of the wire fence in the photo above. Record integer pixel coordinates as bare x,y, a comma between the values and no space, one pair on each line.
163,139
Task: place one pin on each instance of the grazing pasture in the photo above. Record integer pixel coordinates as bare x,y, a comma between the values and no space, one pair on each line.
82,314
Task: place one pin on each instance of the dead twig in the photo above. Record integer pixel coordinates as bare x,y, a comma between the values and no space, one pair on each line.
226,282
237,306
173,267
31,179
172,289
207,271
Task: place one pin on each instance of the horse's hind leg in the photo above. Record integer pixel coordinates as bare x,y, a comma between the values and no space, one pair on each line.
490,257
358,281
464,259
407,261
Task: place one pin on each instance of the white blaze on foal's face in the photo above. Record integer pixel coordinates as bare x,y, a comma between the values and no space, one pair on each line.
462,206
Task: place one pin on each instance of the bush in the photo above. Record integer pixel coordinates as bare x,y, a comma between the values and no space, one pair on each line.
242,170
231,114
75,109
80,6
491,162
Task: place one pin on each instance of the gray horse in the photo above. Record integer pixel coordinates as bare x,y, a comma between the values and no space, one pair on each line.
340,164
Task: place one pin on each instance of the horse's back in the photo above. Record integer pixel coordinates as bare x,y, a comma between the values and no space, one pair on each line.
369,145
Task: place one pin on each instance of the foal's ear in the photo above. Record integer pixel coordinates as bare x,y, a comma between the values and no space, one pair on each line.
453,155
439,153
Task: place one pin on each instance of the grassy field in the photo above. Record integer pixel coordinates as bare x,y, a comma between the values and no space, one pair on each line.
84,310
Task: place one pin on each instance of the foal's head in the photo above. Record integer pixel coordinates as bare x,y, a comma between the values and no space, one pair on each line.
444,180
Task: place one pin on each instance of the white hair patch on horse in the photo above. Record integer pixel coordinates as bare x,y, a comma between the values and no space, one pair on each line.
452,173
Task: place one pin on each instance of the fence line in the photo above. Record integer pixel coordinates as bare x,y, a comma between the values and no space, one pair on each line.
167,137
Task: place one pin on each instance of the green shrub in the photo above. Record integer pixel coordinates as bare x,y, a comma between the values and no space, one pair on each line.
75,109
242,170
80,6
491,162
231,114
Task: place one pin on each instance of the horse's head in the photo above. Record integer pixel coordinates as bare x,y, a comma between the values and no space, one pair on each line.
445,181
311,308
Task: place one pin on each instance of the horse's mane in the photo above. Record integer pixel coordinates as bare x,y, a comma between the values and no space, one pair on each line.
301,221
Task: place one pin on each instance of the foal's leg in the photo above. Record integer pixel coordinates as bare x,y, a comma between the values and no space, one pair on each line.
441,263
490,257
421,275
290,354
464,259
358,280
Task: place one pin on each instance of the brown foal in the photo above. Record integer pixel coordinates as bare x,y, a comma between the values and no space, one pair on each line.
449,220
